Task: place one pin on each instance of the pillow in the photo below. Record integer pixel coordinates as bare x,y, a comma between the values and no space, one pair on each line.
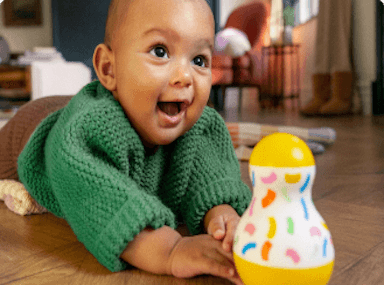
232,42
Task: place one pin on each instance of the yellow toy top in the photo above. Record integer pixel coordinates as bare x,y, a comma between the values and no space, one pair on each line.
281,150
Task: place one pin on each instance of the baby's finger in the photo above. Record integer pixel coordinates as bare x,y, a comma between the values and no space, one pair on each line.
230,234
236,280
216,228
228,254
221,267
233,276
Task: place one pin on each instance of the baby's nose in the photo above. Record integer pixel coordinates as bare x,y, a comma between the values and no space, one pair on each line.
181,76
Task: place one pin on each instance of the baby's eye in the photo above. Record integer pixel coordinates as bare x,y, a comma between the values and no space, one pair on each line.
200,61
159,51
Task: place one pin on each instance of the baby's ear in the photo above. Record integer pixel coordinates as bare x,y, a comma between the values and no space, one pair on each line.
103,63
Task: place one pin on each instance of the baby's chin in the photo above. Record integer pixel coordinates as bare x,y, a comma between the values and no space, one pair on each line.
155,142
165,137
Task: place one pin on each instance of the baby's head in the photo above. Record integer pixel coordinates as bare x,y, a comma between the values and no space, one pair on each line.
156,60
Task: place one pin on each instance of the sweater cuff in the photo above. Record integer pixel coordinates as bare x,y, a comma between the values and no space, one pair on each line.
232,192
125,225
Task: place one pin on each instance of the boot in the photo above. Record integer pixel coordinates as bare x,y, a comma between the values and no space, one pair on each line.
341,96
321,85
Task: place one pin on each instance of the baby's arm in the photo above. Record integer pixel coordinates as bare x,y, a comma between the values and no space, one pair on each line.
165,251
221,222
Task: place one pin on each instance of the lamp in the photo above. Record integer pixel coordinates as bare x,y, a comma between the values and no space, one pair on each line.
4,51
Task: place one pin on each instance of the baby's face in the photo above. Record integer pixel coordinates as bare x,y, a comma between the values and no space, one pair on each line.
162,63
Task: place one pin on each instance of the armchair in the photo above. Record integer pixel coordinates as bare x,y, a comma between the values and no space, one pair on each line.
243,71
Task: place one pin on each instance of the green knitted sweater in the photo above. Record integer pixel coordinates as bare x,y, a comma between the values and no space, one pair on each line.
86,164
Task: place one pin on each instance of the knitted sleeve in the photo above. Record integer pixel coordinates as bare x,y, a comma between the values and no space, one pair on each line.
215,177
88,167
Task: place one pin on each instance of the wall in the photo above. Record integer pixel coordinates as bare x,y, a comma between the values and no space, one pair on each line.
26,38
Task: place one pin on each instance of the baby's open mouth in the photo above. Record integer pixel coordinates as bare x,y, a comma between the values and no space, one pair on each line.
170,108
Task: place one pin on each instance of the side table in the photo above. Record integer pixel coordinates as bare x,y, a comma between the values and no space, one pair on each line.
15,85
281,83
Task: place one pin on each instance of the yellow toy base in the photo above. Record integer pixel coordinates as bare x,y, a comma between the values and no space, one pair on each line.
253,274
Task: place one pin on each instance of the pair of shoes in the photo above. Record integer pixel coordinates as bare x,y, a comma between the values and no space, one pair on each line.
321,86
332,95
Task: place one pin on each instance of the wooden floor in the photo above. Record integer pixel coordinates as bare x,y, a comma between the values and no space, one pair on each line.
348,192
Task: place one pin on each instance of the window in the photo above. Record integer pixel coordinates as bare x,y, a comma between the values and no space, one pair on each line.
304,9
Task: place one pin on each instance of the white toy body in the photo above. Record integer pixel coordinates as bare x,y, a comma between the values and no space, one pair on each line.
281,237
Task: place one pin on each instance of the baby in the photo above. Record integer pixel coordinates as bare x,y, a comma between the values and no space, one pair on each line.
138,152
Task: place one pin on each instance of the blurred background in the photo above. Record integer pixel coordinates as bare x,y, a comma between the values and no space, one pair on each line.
75,27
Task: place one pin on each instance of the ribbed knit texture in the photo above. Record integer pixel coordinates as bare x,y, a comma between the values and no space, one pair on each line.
86,163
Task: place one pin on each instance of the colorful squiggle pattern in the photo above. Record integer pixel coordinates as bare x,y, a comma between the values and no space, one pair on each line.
269,179
302,189
272,228
251,208
304,208
293,255
325,247
265,250
284,191
268,200
315,231
250,228
292,178
291,225
248,246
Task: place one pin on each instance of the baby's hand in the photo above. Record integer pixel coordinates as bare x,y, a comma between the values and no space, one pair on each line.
202,254
223,227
